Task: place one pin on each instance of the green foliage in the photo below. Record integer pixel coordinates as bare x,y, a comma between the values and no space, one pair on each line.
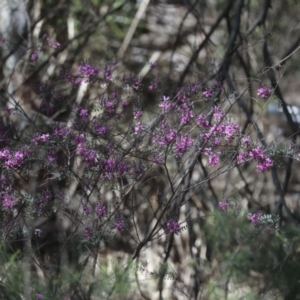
264,249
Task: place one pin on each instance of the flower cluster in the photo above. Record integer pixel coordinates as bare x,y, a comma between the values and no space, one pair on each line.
173,226
254,218
8,199
120,224
13,159
51,43
264,92
85,73
209,91
223,205
41,138
182,145
88,70
101,209
264,162
34,56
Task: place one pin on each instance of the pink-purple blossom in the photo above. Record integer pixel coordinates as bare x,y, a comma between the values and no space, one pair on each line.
165,104
88,233
173,226
86,209
223,205
39,296
182,145
218,114
87,155
208,92
138,127
153,86
100,129
120,224
137,114
256,153
264,92
61,131
34,56
41,138
88,70
254,218
201,121
13,159
101,209
185,113
264,164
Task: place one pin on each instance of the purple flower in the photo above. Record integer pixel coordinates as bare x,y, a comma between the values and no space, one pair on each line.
120,224
13,160
170,135
173,226
123,167
254,218
38,232
88,155
186,114
208,92
246,141
100,129
230,130
88,233
86,209
34,56
4,154
138,127
223,205
213,159
124,104
217,141
39,296
110,106
264,92
3,180
256,153
54,44
137,114
83,113
61,131
264,164
88,70
165,104
107,73
153,64
241,157
182,145
41,138
8,201
74,80
218,114
100,209
201,121
153,86
79,139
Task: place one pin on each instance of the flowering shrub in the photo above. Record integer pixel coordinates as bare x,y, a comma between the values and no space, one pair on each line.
93,169
91,151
